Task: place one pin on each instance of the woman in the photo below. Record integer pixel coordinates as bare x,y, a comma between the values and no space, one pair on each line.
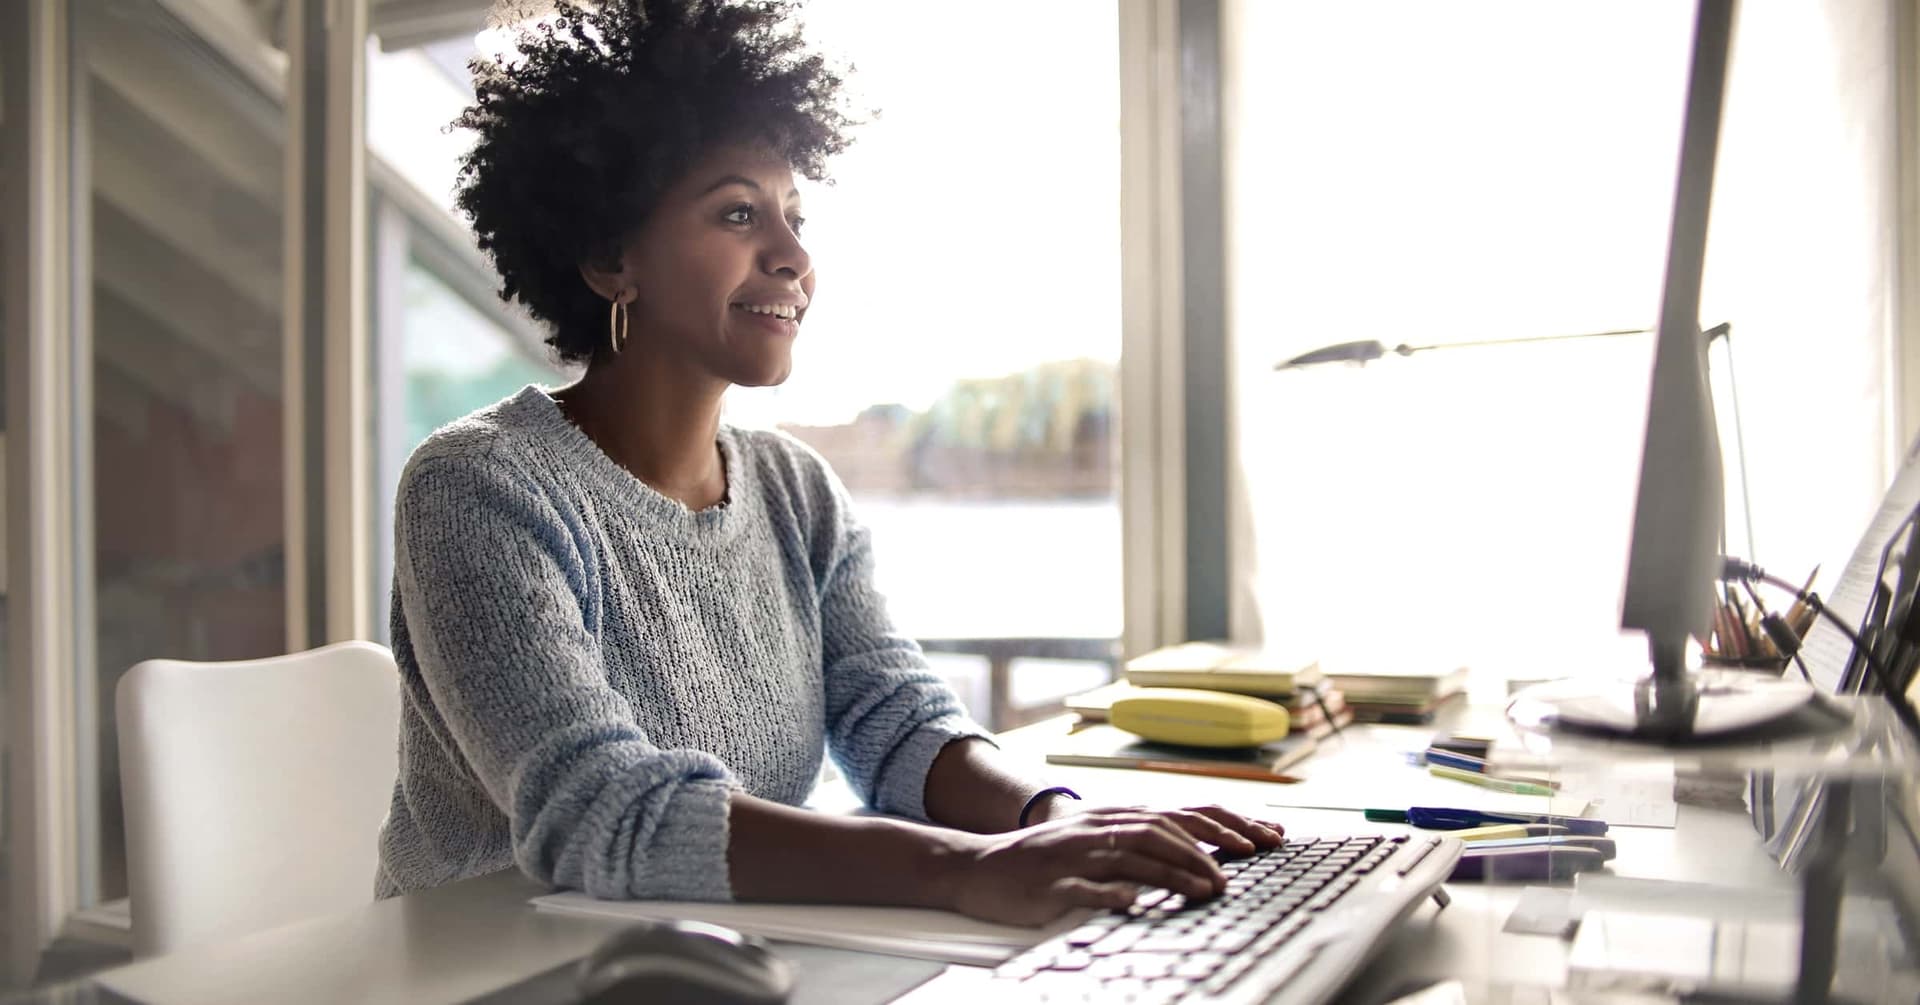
629,632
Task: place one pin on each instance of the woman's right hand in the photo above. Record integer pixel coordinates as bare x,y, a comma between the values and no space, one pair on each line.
1100,858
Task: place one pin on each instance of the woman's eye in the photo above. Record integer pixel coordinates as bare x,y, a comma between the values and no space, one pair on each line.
741,214
796,223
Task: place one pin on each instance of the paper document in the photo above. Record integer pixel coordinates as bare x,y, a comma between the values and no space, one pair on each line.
1369,775
916,932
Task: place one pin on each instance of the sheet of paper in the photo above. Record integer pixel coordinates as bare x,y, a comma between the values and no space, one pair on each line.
1639,799
897,931
1378,776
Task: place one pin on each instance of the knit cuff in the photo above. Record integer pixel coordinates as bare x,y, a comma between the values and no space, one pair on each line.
902,788
687,856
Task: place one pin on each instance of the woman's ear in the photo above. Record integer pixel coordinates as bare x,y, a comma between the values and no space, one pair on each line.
605,273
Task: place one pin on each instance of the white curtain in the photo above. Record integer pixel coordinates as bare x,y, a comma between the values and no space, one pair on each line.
1425,174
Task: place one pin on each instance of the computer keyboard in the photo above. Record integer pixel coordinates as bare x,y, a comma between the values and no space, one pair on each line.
1294,925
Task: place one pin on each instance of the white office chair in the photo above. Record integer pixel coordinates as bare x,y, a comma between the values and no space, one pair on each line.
254,790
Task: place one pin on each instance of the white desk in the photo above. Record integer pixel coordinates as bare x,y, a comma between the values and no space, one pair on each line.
478,938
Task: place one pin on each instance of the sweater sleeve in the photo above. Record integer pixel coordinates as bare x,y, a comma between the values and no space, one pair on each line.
491,585
888,713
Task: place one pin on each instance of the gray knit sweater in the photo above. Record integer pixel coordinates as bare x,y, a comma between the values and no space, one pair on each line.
589,667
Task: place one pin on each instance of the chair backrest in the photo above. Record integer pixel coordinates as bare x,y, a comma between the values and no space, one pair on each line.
254,790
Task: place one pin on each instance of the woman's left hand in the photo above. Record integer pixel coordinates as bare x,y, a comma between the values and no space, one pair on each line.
1216,825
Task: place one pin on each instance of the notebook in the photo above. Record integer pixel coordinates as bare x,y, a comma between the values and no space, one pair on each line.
1102,745
1398,685
1221,667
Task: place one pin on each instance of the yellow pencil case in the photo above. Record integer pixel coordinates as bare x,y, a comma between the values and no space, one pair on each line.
1199,718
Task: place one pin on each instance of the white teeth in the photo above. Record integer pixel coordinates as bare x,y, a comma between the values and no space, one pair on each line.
779,310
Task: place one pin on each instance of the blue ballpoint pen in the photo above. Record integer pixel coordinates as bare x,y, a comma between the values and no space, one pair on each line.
1465,762
1445,818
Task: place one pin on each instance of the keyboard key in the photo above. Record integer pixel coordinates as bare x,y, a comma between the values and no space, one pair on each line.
1157,943
1120,940
1199,965
1076,959
1232,941
1151,966
1087,935
1420,855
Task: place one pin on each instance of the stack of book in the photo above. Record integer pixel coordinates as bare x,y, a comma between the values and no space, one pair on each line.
1315,705
1220,667
1398,695
1314,710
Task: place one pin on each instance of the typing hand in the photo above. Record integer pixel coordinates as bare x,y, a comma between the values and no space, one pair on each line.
1099,858
1233,833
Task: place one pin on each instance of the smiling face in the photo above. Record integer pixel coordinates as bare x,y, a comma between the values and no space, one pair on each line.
716,281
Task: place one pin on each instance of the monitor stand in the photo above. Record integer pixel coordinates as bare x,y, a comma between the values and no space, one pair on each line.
1669,705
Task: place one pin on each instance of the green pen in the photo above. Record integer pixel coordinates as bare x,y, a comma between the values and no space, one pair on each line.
1488,781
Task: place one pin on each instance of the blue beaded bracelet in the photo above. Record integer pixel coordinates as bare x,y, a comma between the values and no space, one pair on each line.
1034,800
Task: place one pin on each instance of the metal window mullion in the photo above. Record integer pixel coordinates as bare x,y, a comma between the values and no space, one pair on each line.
1204,362
393,247
82,584
1904,295
326,345
1152,474
43,783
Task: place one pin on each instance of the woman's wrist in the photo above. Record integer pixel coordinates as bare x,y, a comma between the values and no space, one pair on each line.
1055,806
945,855
1038,800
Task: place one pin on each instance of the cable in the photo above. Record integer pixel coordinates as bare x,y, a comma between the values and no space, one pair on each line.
1784,637
1734,568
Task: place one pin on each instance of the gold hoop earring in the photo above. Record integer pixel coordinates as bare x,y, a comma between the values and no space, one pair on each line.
617,327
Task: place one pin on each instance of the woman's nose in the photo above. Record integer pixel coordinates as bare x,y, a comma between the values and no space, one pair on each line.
787,255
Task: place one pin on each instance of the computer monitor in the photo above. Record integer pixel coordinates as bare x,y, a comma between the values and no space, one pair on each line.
1674,561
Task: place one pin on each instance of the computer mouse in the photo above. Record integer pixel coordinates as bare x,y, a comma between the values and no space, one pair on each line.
681,963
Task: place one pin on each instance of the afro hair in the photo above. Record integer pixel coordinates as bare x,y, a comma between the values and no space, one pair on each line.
600,108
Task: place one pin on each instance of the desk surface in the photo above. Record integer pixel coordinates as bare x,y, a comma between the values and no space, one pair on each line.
478,939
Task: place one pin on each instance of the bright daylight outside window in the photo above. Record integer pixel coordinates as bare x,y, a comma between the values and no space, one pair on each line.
1436,173
445,344
959,366
1509,177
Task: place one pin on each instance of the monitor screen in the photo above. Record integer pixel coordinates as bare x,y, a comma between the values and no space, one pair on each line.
1673,564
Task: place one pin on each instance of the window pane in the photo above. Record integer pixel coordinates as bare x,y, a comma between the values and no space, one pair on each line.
1510,174
444,344
959,363
182,233
455,359
446,359
1507,176
958,367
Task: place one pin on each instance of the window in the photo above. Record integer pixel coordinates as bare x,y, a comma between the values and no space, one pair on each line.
444,344
178,234
959,365
1428,174
446,359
